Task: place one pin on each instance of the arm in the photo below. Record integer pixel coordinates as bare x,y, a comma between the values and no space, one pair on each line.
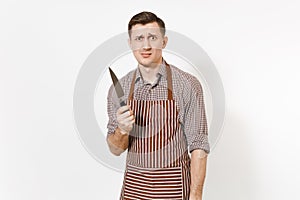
119,125
198,172
197,136
117,142
119,139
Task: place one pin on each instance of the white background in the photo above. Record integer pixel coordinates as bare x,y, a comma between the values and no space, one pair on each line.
254,44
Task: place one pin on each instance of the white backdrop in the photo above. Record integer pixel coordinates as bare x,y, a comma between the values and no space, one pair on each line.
254,44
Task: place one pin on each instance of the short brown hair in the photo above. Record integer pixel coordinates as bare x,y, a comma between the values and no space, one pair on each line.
145,18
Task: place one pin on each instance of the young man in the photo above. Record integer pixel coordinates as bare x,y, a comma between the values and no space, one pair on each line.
163,120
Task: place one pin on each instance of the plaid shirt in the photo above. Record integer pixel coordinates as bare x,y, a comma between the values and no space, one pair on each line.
187,92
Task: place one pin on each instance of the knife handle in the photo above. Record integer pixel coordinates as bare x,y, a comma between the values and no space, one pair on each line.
122,103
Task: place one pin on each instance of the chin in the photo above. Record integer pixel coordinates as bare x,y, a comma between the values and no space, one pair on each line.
145,62
146,65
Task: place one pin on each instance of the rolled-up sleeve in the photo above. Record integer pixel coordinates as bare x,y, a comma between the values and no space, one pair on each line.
112,111
195,123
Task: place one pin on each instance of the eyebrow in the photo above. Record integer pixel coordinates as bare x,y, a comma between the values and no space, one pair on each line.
150,34
141,35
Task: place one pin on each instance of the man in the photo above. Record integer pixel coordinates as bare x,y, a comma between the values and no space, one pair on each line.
163,120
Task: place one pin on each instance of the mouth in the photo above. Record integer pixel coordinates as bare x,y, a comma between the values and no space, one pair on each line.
146,54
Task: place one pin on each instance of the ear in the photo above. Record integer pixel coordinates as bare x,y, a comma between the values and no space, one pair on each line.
165,41
129,43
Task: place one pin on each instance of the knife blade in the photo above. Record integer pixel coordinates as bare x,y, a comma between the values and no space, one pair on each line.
118,88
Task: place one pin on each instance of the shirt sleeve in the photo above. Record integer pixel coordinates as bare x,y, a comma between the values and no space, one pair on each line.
195,123
112,107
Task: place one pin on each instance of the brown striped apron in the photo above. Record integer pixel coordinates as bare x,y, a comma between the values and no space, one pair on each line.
158,164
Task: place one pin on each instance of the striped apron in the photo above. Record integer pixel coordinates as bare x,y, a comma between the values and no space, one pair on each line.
158,164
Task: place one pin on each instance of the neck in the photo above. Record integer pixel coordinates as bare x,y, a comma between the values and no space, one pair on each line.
149,72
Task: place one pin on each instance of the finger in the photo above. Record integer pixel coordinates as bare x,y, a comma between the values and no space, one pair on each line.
128,118
132,121
125,119
121,118
125,115
123,109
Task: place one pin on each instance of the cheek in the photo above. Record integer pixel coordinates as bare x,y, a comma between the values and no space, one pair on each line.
156,52
135,53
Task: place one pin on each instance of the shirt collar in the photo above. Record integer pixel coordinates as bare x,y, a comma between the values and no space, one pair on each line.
162,73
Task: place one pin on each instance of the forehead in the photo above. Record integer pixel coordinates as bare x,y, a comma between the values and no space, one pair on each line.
150,28
149,25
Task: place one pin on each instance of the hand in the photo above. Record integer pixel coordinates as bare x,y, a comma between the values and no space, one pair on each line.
194,197
125,119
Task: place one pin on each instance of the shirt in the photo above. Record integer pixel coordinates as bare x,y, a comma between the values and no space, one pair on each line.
187,92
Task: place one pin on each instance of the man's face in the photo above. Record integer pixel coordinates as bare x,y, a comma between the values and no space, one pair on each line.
147,42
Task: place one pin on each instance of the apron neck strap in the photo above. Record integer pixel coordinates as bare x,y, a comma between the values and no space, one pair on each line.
169,80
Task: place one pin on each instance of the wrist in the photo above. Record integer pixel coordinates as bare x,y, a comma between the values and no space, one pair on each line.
121,131
194,194
195,197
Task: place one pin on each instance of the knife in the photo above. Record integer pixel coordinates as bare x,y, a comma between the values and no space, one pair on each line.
120,94
118,88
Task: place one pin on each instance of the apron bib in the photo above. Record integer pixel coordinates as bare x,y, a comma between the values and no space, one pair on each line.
158,164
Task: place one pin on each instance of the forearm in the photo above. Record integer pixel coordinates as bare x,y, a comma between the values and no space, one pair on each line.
117,142
198,172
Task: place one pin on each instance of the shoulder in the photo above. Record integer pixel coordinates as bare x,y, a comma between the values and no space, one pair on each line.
127,78
188,81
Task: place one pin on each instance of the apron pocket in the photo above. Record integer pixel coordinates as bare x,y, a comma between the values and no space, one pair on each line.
153,183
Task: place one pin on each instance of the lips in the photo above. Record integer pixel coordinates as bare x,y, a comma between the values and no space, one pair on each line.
146,54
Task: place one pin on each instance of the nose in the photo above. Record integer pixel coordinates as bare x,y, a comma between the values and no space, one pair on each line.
146,44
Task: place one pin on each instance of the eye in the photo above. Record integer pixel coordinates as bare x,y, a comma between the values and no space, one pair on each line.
153,37
139,38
